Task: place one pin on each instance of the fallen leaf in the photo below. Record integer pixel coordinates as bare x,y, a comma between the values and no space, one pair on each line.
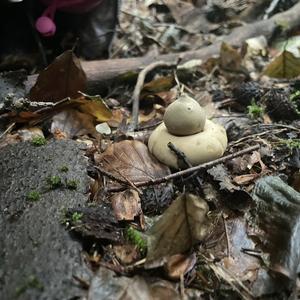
182,225
286,65
94,106
230,58
126,254
241,264
64,77
126,205
220,173
159,85
131,160
72,123
106,285
178,265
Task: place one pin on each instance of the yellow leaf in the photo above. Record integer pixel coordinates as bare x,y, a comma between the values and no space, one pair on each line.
94,106
286,65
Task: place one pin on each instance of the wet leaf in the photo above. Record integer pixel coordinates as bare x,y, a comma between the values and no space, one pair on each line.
131,160
182,225
243,265
286,65
126,205
106,285
64,77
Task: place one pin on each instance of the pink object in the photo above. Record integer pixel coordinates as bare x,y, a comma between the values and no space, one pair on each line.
45,24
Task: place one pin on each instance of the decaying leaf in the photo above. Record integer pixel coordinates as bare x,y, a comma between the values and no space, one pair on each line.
276,223
230,58
126,254
182,225
62,78
243,265
220,174
179,264
131,160
72,123
126,205
286,65
106,285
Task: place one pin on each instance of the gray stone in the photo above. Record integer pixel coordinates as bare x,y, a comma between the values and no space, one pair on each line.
38,256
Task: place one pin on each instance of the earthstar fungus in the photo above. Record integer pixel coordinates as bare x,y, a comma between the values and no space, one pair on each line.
185,125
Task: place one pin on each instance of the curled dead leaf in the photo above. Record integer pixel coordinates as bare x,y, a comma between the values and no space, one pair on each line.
64,77
126,204
181,226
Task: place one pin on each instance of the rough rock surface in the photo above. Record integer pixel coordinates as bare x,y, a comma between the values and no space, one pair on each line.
38,256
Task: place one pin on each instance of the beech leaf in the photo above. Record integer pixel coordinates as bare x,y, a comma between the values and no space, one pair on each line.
181,226
64,77
286,65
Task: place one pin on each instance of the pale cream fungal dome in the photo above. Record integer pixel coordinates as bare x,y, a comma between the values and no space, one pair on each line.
185,125
184,116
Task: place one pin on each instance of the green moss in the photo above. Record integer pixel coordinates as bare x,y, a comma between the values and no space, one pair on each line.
76,216
290,143
71,184
255,111
137,239
64,169
54,182
38,141
32,282
33,196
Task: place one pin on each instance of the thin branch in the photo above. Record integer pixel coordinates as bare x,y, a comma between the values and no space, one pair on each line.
124,181
138,88
190,170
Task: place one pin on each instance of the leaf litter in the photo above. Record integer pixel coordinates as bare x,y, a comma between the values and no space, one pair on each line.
202,242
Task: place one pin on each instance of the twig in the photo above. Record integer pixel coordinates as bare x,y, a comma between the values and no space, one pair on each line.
247,137
181,156
7,130
138,88
226,235
117,179
190,170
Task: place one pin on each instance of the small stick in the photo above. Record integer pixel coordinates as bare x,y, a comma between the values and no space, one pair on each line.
181,155
7,130
138,88
117,179
226,235
190,170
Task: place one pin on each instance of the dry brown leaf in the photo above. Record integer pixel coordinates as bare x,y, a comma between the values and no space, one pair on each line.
131,160
179,264
72,123
286,65
182,225
64,77
126,205
126,254
230,58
